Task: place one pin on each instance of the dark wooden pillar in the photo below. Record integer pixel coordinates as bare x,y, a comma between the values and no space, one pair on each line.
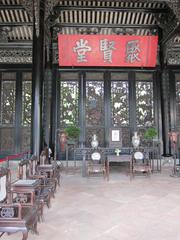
82,118
132,102
165,110
107,106
54,119
18,112
38,72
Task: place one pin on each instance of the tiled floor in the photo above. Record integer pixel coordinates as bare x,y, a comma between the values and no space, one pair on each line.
94,209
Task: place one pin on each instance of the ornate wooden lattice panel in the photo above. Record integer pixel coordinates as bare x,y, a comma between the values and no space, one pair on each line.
68,102
177,77
144,103
95,109
26,101
94,103
8,98
26,111
25,139
7,136
120,103
126,138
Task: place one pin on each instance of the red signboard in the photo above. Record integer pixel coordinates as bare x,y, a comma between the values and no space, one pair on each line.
107,50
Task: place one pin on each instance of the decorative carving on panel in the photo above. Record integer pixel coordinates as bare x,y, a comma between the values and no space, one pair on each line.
15,55
177,103
94,103
4,31
22,198
28,5
7,212
8,95
120,103
7,138
126,139
25,139
55,54
173,58
175,6
26,102
50,4
68,103
144,104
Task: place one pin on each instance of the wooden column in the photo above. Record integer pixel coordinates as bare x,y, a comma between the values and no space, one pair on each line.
38,74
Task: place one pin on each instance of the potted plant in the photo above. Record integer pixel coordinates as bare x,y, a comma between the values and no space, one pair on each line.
150,135
72,133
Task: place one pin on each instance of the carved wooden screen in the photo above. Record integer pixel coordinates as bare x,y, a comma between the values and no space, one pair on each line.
26,111
177,78
94,107
7,111
69,93
144,101
120,105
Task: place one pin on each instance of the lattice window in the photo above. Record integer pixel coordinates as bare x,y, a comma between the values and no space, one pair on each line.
144,104
94,103
178,103
120,103
26,103
69,103
8,98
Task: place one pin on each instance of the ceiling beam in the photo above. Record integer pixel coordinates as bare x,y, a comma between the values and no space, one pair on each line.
111,9
75,25
16,45
171,34
11,7
15,24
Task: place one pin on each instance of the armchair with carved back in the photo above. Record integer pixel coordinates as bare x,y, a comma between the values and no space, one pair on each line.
140,163
27,170
97,163
46,191
15,217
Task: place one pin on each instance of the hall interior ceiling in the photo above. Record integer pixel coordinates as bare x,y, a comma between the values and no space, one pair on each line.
82,17
90,17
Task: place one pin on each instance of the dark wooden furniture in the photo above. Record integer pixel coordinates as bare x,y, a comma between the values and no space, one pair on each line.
20,216
97,164
122,158
27,170
52,173
140,163
5,179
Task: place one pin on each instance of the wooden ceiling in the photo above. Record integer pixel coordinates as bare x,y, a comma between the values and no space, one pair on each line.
82,17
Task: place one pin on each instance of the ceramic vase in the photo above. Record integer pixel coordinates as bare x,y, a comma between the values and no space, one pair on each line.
135,140
94,142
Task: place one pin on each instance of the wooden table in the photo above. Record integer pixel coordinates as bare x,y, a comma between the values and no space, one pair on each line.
25,189
25,185
118,159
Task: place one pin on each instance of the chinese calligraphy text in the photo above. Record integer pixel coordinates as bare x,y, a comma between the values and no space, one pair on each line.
107,50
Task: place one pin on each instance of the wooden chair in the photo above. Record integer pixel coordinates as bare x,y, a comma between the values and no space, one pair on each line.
14,217
27,170
97,164
140,163
5,180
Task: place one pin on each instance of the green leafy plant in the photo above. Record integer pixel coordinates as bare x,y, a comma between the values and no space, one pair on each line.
72,132
150,133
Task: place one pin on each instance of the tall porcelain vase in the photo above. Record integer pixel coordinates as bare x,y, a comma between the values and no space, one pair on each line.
135,140
94,142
